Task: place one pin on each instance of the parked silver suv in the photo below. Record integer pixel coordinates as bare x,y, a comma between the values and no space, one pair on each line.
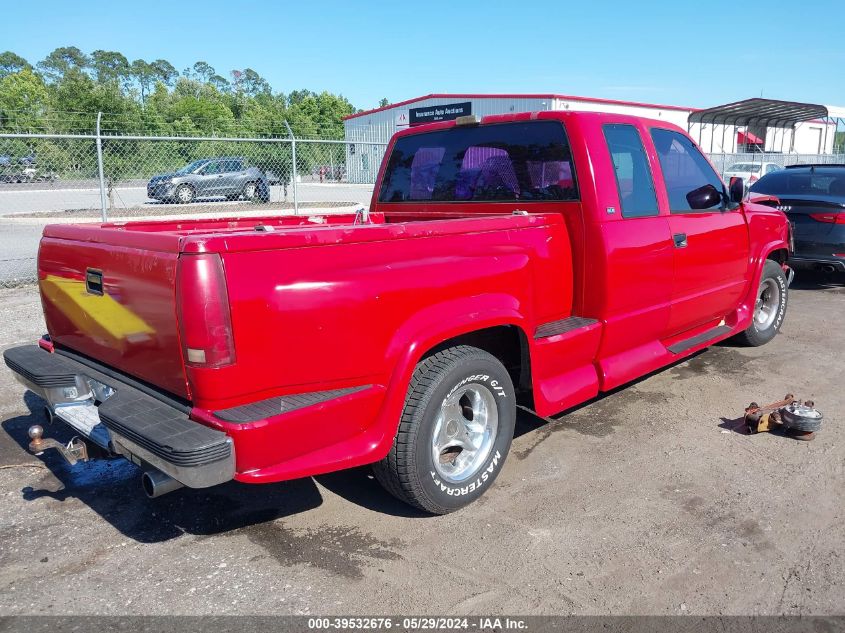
227,176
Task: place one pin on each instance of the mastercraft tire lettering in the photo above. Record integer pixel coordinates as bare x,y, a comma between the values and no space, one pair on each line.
455,431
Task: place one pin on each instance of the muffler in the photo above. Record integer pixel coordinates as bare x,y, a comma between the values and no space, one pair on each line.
156,483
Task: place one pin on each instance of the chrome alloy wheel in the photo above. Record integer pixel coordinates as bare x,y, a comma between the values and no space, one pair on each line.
464,432
249,191
767,304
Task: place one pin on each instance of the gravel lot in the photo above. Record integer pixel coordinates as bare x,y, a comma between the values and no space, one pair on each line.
646,501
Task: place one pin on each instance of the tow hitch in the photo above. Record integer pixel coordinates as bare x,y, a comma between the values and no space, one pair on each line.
74,451
791,416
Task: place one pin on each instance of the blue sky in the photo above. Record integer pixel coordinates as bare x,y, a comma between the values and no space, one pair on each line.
681,53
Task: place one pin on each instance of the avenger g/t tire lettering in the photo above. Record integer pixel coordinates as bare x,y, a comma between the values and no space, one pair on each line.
455,431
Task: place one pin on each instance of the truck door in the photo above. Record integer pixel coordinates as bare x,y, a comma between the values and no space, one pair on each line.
711,247
637,249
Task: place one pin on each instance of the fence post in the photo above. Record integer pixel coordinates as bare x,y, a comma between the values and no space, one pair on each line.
103,211
293,172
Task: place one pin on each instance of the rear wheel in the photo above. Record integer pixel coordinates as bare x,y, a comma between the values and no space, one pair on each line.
454,433
250,191
769,306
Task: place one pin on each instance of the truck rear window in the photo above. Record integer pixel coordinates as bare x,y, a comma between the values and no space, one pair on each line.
526,161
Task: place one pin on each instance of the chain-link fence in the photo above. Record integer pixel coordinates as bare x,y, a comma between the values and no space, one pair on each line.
113,177
87,177
727,162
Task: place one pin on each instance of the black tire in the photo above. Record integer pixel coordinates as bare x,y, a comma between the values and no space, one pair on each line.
761,333
182,195
409,471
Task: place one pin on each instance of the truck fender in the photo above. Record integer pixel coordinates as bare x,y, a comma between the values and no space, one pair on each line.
425,330
746,308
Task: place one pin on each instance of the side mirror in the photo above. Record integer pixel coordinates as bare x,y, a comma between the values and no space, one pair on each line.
704,197
736,189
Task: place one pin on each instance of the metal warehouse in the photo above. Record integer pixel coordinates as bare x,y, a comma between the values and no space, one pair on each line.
754,125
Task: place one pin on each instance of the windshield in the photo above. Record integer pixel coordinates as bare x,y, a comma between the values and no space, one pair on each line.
192,167
754,169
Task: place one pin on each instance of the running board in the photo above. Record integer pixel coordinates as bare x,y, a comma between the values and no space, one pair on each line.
553,328
698,339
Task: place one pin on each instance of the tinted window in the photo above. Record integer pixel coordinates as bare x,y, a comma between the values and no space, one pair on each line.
789,182
232,165
633,175
685,170
745,167
527,161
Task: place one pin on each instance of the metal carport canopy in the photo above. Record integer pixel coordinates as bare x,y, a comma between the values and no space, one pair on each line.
752,111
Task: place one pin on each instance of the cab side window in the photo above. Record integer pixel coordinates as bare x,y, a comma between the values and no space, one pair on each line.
212,168
691,183
633,175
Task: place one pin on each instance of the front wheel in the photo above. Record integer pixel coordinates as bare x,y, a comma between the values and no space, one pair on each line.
454,433
184,194
769,306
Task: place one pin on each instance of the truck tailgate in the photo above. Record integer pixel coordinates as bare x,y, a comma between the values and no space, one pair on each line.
114,301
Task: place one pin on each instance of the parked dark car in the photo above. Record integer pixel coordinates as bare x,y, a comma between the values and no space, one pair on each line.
228,176
813,198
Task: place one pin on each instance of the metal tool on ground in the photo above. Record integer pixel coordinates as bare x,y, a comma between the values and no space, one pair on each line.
790,416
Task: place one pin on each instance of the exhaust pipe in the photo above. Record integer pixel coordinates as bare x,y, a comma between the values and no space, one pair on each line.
828,268
156,483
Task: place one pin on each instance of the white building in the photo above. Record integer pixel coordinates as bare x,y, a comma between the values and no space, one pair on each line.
718,133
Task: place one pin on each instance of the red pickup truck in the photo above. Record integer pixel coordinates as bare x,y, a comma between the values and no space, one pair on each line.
534,259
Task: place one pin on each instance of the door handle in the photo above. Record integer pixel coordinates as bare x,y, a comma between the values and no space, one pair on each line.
680,240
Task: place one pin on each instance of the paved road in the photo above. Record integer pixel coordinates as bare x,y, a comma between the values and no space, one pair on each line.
647,501
19,237
37,197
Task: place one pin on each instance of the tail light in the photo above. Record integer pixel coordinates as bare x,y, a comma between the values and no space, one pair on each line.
753,179
204,316
830,218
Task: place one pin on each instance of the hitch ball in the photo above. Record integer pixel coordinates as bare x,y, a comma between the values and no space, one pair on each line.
35,432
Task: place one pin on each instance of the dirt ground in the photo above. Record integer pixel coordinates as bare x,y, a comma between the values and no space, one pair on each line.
650,500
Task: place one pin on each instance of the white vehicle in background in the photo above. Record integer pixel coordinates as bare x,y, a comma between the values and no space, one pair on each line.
750,172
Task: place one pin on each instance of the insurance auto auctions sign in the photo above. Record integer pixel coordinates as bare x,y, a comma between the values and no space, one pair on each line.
447,112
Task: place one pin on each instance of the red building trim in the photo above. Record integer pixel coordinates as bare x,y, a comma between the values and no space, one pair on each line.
521,96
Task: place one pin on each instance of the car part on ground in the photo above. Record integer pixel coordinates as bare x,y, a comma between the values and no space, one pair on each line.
790,416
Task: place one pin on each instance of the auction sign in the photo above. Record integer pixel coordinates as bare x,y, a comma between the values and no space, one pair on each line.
448,112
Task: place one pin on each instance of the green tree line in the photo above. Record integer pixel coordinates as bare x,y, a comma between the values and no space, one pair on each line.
63,92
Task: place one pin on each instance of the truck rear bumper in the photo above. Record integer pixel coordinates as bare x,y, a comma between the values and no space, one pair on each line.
123,419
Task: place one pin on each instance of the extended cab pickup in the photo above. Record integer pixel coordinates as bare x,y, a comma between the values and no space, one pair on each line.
529,258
